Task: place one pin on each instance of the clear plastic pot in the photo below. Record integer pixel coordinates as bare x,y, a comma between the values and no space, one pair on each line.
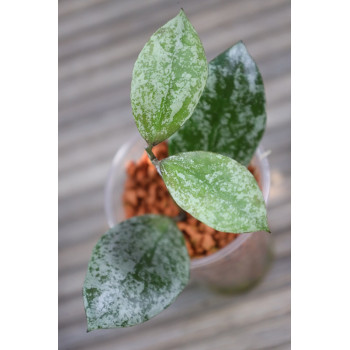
234,268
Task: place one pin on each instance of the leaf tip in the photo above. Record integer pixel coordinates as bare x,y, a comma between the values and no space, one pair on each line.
90,326
267,228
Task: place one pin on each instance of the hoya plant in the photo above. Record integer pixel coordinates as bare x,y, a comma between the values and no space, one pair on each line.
215,117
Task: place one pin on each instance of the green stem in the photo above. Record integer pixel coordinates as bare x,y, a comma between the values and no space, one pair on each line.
153,158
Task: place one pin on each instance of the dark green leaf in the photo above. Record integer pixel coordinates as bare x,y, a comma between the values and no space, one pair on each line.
136,270
216,190
230,116
168,79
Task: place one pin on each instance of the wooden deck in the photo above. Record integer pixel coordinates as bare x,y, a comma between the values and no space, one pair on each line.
99,41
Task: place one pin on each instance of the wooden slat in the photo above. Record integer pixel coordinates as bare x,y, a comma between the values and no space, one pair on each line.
105,68
102,53
112,32
67,7
98,13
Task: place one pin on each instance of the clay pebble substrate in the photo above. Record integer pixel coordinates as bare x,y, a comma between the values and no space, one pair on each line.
146,193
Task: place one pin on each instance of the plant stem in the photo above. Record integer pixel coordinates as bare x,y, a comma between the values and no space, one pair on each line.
153,158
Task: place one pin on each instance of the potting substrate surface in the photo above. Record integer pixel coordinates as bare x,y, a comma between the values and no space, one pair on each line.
145,193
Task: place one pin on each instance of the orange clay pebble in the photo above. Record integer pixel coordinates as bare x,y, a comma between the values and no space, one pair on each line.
141,175
170,209
130,183
162,185
208,242
152,192
191,220
131,168
151,171
189,249
222,243
231,237
181,225
201,227
195,237
129,211
210,230
199,250
153,210
130,197
143,161
141,210
141,192
160,203
205,228
211,251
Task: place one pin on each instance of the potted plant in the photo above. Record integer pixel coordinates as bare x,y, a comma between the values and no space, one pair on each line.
215,117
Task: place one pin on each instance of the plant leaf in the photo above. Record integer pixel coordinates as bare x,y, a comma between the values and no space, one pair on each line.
136,270
230,117
168,79
216,190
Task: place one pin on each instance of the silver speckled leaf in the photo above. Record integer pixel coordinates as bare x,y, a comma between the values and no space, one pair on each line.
168,79
230,117
136,270
216,190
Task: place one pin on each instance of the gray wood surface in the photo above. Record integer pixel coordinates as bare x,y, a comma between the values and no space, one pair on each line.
99,41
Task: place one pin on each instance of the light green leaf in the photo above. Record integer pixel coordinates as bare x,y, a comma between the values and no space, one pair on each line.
136,270
230,117
168,79
216,190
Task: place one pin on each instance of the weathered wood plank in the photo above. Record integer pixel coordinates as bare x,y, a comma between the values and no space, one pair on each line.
67,7
264,335
102,69
97,13
144,20
208,18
